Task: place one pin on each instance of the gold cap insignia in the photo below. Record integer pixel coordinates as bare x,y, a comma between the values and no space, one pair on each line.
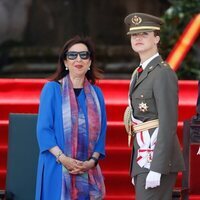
136,20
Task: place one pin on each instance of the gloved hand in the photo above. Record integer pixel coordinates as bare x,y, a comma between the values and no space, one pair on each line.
152,180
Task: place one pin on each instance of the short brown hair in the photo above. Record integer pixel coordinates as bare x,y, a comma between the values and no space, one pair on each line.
157,33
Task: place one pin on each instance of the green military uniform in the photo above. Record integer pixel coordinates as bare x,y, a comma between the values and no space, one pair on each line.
157,89
154,95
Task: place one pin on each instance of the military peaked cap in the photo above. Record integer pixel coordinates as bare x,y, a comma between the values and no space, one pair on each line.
141,22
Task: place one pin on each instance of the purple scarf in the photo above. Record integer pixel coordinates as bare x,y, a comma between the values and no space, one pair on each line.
80,139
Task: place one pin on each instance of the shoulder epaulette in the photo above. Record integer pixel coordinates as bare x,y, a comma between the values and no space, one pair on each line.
165,64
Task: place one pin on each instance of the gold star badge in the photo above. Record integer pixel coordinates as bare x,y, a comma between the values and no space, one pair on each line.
143,107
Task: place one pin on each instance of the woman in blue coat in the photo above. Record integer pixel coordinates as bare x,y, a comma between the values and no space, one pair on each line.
71,128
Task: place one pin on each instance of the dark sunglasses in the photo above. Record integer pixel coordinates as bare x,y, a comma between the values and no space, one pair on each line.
72,55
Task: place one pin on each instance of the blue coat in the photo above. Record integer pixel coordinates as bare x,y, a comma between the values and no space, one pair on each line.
50,133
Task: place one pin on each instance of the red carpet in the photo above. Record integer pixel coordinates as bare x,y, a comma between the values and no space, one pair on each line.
22,96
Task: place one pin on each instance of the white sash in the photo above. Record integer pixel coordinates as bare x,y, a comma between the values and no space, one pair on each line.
146,144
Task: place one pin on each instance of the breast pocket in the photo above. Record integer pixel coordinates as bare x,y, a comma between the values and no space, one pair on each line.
144,102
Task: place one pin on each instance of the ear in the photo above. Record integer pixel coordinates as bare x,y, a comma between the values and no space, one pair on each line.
89,63
157,39
65,63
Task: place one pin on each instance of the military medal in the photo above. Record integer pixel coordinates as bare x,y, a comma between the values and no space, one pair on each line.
143,107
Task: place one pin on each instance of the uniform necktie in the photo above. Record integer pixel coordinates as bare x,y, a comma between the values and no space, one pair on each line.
140,70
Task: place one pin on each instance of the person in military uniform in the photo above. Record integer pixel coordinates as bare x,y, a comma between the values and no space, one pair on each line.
153,103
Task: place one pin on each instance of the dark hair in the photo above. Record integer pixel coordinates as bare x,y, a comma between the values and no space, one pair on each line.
157,33
92,74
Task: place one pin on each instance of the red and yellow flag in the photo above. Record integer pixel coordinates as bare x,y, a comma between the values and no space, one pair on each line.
184,43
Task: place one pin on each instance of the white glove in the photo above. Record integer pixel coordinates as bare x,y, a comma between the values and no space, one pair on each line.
132,181
152,180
